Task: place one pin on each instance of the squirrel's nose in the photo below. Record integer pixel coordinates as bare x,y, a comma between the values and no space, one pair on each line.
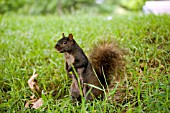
56,45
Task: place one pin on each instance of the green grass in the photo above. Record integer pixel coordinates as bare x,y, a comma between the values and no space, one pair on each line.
27,43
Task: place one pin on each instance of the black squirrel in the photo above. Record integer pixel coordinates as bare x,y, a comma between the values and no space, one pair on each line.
105,58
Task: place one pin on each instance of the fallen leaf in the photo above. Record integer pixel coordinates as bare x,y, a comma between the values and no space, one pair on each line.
33,83
30,103
38,103
34,102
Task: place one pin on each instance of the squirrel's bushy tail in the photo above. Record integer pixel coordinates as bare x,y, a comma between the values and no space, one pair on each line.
107,60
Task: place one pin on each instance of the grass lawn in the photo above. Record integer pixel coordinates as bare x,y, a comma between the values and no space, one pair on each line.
27,43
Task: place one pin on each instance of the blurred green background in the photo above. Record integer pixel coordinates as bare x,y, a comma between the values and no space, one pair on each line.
60,7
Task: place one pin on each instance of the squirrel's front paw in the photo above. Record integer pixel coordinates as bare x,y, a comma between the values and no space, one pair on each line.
69,68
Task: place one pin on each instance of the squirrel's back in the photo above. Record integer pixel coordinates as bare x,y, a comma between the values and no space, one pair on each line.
107,60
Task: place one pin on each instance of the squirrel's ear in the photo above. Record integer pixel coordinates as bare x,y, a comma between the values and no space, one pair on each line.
63,35
70,36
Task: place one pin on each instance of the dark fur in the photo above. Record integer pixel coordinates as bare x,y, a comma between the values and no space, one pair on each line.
107,60
104,55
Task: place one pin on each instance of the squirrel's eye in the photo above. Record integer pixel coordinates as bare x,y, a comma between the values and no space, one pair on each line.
64,42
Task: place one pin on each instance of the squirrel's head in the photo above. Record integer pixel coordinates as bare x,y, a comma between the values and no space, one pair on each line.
65,44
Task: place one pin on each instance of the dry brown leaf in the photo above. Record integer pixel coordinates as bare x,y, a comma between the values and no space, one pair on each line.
30,103
34,102
38,103
33,83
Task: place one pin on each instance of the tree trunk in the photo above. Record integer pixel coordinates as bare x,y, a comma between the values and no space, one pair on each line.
59,7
